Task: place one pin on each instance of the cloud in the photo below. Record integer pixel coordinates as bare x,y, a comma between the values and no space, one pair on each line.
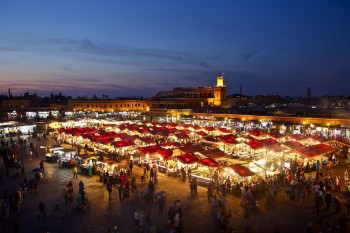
118,50
248,55
113,62
9,49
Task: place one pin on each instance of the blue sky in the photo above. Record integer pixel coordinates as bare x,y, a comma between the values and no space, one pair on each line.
126,48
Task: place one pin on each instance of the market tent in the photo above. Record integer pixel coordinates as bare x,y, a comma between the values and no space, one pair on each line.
224,130
271,144
196,127
275,135
150,149
174,144
213,153
209,162
187,158
319,138
191,148
123,143
209,128
181,135
227,137
313,151
292,145
343,143
242,170
255,144
166,154
297,137
256,133
147,140
201,133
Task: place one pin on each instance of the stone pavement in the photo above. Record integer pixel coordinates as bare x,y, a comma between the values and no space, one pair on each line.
105,213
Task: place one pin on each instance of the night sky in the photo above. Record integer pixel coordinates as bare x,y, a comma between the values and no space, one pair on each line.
127,48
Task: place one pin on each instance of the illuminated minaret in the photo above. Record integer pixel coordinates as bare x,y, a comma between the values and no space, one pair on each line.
219,91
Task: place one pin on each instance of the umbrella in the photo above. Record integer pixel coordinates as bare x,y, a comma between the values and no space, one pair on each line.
36,170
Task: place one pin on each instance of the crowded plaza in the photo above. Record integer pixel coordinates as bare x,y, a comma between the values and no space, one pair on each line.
199,175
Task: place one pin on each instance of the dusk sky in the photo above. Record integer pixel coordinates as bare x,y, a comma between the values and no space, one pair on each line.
126,48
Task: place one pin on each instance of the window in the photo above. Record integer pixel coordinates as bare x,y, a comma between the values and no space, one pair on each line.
121,105
116,105
132,105
100,105
88,106
96,105
128,105
105,105
111,106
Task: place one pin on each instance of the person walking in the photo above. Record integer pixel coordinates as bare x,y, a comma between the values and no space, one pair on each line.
109,189
120,189
75,170
131,167
42,210
246,218
161,204
348,204
41,164
328,200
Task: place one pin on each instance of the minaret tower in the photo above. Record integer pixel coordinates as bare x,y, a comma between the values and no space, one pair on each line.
219,91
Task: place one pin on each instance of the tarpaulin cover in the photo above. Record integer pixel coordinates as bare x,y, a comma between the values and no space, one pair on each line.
256,132
187,158
255,144
313,151
242,170
209,162
181,136
123,143
275,135
297,137
201,133
271,144
292,145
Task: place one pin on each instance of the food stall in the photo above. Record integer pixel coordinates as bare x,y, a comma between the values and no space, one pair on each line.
66,157
51,156
236,173
205,170
88,162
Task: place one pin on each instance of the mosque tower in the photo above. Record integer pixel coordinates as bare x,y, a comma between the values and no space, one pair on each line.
219,91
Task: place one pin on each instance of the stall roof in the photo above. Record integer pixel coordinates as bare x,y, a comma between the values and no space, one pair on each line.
292,145
256,133
271,144
255,144
297,137
201,133
148,140
165,153
191,148
213,153
187,158
313,151
123,143
181,135
209,162
319,138
242,170
275,135
175,144
150,149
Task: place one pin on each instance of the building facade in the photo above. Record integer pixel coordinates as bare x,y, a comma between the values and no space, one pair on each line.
101,105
